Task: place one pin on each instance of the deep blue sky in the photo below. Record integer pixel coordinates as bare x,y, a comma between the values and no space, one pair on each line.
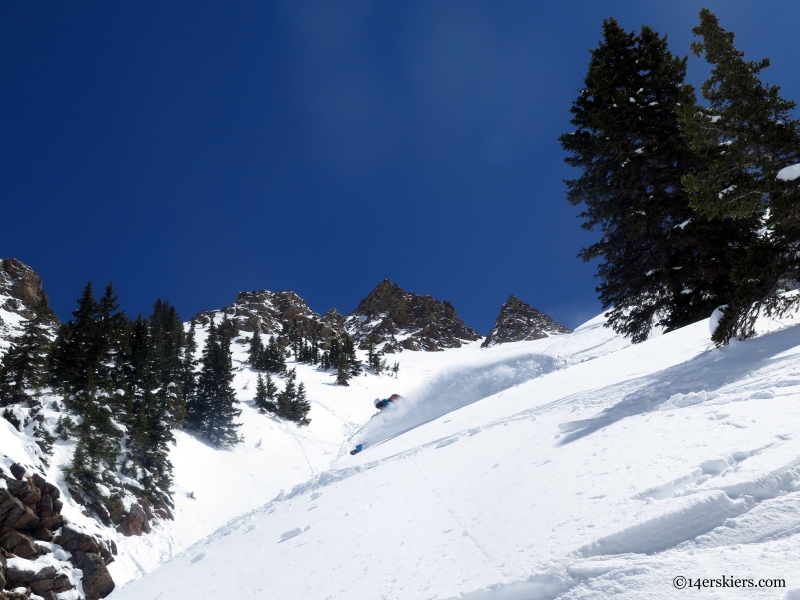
192,150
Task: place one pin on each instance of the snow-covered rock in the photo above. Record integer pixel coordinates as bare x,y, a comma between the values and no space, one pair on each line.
518,321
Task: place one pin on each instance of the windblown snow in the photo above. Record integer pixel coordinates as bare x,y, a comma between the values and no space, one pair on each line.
575,466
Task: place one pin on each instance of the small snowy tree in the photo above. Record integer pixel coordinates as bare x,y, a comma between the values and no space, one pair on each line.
265,394
301,407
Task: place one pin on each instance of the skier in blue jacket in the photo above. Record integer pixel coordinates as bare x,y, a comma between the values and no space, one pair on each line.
380,404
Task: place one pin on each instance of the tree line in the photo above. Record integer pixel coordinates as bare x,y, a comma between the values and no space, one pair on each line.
126,385
696,202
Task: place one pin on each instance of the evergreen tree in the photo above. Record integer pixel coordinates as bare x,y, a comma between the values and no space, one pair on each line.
275,361
334,354
86,366
660,264
189,365
98,439
153,412
300,407
213,411
746,135
349,351
265,394
315,355
169,340
288,396
110,334
374,360
74,354
257,353
25,363
372,356
343,374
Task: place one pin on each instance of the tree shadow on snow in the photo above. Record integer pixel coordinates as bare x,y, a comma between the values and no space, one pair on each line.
704,373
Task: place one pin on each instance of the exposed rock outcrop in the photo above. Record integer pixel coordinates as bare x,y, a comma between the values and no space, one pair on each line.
20,288
393,319
270,312
519,322
30,511
126,507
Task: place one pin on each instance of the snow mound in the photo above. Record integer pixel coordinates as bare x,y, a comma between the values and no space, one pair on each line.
789,173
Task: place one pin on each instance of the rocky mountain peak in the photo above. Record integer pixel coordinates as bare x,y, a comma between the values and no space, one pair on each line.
519,322
392,320
270,312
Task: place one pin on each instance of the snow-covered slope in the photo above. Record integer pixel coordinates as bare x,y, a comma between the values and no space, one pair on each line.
213,486
589,468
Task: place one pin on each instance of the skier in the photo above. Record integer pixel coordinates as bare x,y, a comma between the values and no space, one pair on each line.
358,449
380,404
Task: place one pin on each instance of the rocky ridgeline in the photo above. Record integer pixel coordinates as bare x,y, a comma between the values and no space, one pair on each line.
393,319
20,288
39,549
271,312
389,317
518,322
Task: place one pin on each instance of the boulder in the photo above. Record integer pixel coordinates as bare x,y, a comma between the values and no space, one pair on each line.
43,534
135,522
73,541
27,493
96,580
20,544
116,509
17,470
15,515
46,582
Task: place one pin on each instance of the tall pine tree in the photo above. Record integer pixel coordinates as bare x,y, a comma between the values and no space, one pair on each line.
189,366
153,413
213,410
746,135
660,265
256,353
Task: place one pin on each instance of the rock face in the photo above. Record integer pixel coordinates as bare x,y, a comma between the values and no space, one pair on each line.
393,319
20,288
269,312
519,322
30,511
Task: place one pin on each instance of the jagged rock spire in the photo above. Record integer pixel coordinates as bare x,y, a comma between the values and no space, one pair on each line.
392,320
519,322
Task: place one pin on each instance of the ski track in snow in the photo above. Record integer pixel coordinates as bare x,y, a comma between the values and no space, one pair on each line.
576,468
